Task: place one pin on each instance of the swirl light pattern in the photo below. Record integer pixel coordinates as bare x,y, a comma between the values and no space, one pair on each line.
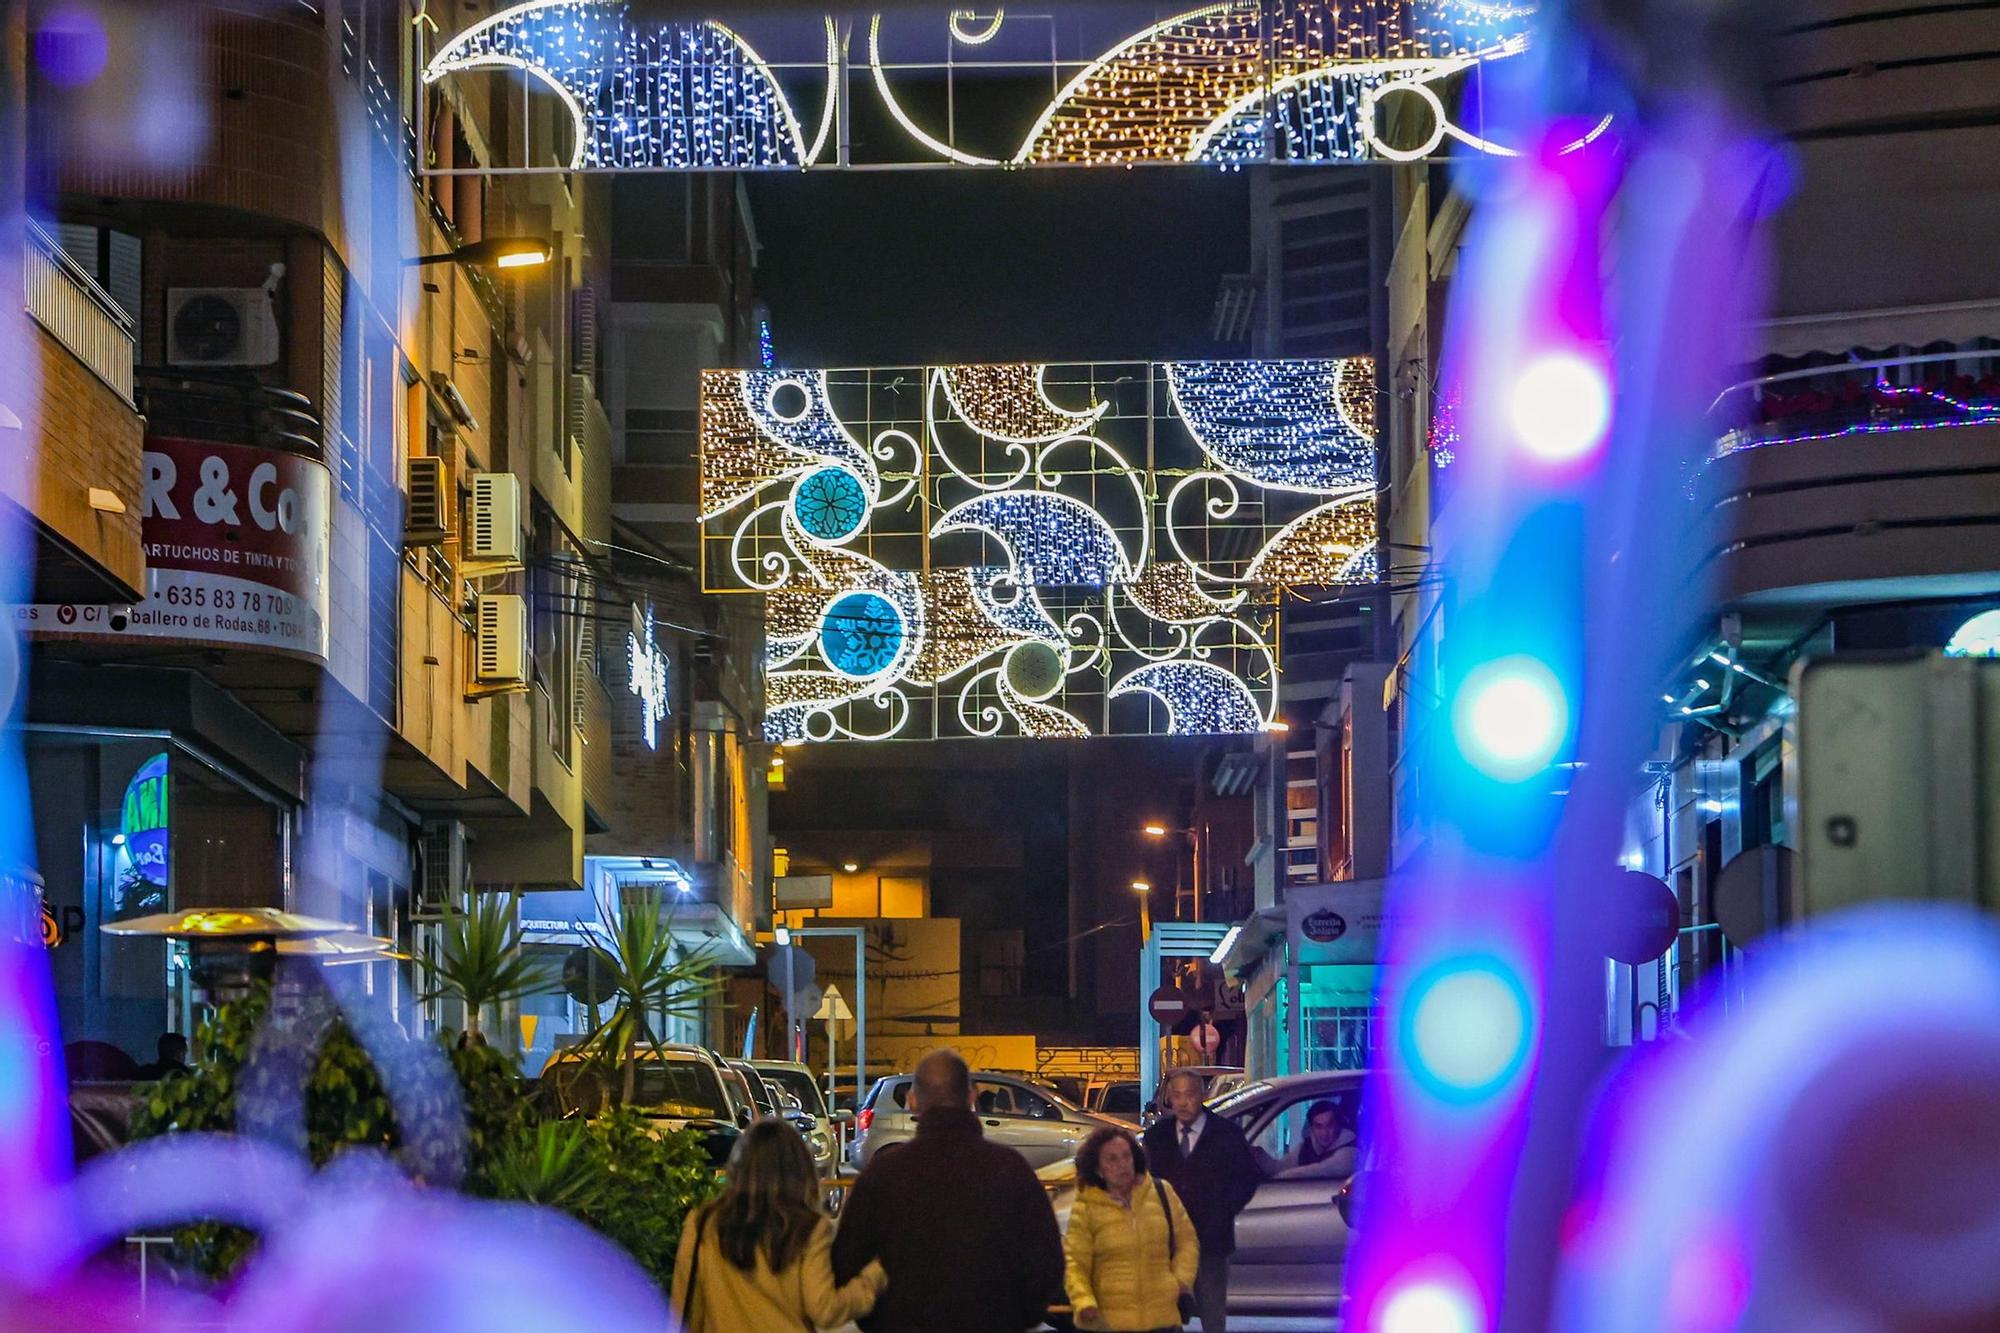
1227,84
969,551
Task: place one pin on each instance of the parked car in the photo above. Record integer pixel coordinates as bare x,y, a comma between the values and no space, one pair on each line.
676,1087
774,1100
1291,1242
1041,1125
796,1080
1117,1098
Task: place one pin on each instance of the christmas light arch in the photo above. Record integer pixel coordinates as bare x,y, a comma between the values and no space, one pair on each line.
1045,551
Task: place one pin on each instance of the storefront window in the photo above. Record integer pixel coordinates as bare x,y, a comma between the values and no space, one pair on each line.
129,826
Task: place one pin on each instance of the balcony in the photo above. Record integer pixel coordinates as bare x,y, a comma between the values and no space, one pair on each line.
78,313
1862,480
228,408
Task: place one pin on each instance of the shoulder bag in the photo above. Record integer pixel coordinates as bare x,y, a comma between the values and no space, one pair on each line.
1183,1301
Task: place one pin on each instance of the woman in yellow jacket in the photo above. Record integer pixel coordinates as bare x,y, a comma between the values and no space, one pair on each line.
1130,1247
760,1256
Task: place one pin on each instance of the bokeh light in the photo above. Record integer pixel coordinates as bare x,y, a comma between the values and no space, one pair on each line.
1511,717
1430,1307
1560,409
71,46
1467,1027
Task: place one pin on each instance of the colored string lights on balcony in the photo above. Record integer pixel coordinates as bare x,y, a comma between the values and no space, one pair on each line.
1957,412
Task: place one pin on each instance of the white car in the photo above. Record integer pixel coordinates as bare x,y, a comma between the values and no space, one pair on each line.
1041,1125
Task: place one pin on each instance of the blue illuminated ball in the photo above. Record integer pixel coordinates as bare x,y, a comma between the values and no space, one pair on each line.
830,503
861,634
1466,1028
1510,718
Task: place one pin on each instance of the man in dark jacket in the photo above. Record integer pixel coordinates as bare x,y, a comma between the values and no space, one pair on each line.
962,1225
1208,1162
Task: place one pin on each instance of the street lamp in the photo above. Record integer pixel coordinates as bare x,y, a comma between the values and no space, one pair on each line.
1194,840
1145,892
850,866
495,252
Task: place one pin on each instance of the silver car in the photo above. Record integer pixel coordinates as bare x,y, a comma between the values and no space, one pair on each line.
1291,1241
796,1080
1034,1121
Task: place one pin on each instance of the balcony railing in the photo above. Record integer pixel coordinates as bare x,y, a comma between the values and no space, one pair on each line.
1921,391
78,313
229,407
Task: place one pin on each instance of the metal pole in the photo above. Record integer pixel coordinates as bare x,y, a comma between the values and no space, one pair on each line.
860,1010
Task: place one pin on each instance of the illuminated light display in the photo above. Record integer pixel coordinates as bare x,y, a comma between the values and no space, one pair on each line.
1468,1028
1297,425
1960,413
677,95
646,674
1245,81
1001,567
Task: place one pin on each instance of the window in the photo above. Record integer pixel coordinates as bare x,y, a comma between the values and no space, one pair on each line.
1283,1140
1121,1099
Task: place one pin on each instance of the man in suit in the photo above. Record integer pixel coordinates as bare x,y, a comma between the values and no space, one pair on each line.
1208,1162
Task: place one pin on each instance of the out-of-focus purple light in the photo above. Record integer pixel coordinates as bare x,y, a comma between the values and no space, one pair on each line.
1431,1306
71,47
1560,407
1467,1029
1510,717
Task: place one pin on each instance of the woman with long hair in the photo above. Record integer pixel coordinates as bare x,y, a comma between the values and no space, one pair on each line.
760,1256
1130,1247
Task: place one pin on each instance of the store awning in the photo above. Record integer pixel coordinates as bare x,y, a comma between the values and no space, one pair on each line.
1841,331
1250,939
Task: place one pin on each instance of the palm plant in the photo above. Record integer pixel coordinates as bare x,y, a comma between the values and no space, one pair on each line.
480,961
556,1166
647,982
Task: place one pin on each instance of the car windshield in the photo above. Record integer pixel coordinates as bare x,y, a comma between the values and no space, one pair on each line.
1121,1097
685,1089
760,1097
1236,1096
800,1084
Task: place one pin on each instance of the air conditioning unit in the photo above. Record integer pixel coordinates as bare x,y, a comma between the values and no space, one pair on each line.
428,519
502,620
221,326
493,529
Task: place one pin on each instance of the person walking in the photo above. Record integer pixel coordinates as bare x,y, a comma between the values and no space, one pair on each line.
1208,1162
1131,1248
962,1225
760,1256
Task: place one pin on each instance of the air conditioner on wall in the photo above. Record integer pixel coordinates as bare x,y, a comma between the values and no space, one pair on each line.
428,520
502,623
493,527
222,326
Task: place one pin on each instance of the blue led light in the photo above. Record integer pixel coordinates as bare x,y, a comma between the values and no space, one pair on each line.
861,634
1510,718
830,503
1467,1027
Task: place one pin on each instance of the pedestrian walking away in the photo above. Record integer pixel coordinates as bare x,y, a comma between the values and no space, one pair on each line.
1209,1163
761,1256
962,1225
1131,1248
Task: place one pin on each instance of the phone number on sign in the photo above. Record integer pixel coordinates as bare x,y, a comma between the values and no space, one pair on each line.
230,599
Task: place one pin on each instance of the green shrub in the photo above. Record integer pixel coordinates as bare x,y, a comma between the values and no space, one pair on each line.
619,1174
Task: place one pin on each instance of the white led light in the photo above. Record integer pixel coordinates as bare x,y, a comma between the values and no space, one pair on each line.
1560,408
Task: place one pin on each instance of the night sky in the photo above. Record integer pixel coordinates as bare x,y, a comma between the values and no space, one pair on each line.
918,267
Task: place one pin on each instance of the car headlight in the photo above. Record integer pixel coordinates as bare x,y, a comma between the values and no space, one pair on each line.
820,1143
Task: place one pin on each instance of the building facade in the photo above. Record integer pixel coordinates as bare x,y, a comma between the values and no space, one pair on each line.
350,629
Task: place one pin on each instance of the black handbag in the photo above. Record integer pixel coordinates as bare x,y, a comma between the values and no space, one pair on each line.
1183,1301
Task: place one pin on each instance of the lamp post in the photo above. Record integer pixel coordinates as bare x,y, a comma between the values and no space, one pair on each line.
505,252
1145,892
1194,840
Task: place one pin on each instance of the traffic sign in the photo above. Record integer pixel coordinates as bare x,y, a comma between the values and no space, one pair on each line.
1205,1039
1169,1005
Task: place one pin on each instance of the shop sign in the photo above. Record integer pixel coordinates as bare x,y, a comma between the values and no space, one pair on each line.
1340,922
145,842
235,540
